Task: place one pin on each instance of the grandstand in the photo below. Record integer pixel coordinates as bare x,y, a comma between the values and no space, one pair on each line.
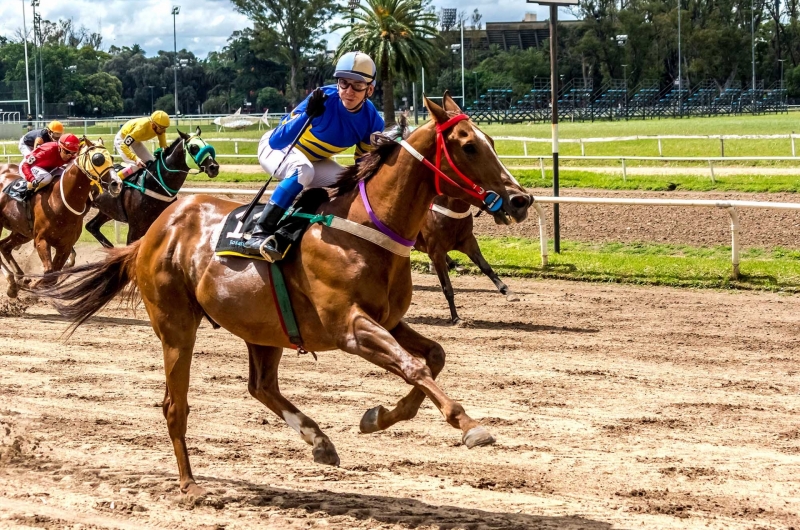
579,101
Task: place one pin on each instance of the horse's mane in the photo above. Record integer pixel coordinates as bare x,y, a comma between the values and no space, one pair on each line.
170,147
368,164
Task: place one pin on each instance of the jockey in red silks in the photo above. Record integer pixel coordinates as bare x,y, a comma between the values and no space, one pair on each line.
48,160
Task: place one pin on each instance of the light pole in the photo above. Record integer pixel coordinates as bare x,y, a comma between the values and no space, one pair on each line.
476,87
782,88
353,4
151,87
625,76
448,20
175,11
25,41
553,4
753,51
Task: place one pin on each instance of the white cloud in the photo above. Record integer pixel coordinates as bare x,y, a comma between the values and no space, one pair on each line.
149,23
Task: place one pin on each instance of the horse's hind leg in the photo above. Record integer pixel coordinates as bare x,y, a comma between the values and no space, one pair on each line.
380,418
12,276
439,260
263,385
471,248
93,227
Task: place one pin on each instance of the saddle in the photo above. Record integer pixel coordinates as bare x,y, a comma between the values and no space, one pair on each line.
236,231
18,190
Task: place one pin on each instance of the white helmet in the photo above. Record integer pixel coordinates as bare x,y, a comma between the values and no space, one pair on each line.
357,66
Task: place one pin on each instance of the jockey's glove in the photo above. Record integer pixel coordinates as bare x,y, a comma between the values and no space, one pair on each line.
316,104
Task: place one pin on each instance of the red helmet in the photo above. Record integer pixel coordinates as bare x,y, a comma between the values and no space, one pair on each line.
69,142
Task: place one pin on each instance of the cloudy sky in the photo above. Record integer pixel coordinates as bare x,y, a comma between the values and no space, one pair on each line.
202,26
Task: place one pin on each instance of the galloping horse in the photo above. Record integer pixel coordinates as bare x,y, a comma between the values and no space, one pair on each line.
55,219
448,226
347,292
139,206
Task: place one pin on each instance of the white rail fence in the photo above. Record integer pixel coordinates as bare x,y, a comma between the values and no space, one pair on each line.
730,206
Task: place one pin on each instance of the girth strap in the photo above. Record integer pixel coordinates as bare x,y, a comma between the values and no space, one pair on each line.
284,305
450,213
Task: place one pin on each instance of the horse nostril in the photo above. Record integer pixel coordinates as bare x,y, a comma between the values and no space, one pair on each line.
521,201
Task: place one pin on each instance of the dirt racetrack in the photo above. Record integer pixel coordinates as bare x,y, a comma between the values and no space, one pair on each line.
613,406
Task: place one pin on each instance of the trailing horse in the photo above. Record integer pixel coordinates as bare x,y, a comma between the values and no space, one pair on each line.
53,216
141,204
349,280
448,226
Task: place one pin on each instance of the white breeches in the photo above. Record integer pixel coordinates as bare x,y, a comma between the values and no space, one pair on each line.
24,149
310,174
42,177
137,147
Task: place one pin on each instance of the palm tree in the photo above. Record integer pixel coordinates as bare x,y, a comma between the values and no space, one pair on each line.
398,34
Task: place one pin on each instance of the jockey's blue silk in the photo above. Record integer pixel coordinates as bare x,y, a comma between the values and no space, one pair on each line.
333,132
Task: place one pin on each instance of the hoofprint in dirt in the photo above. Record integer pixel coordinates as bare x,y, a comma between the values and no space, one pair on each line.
613,406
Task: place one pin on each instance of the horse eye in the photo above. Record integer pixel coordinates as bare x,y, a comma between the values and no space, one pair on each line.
470,149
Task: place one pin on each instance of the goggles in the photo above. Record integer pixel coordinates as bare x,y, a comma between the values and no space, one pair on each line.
357,86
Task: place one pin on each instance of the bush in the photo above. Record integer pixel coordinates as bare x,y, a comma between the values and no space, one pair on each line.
269,98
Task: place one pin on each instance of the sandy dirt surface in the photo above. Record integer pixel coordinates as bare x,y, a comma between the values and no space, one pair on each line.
613,407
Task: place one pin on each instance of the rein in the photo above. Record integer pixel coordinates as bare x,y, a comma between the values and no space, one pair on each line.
84,163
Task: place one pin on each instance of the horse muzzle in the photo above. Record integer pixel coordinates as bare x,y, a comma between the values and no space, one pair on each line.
513,210
212,169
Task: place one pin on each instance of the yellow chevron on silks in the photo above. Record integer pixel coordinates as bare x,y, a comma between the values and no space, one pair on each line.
311,156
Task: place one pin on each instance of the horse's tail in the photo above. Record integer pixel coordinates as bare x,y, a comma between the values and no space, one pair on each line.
80,292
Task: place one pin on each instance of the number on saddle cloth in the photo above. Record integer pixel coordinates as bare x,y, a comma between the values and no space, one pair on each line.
18,190
289,232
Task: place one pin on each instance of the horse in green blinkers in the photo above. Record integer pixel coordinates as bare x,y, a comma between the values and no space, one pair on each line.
150,191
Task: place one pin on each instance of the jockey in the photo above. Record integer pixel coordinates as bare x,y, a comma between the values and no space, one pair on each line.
48,160
37,137
341,117
129,140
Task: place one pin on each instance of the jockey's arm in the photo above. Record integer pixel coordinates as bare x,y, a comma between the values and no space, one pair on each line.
25,167
39,141
131,132
290,127
162,140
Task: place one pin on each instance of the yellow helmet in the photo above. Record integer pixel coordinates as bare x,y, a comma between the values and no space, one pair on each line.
56,127
160,118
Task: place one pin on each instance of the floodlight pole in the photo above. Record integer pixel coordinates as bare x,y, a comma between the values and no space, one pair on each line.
25,41
175,11
463,93
554,106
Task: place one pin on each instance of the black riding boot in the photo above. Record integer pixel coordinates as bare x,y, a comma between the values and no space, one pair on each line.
261,242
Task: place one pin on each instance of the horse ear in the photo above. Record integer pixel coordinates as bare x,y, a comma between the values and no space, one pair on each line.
87,142
183,135
450,104
198,131
100,142
437,112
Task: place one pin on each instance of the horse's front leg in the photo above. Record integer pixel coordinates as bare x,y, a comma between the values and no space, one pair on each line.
380,418
366,338
7,245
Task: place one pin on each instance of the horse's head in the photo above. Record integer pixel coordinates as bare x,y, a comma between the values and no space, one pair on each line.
200,155
95,162
470,153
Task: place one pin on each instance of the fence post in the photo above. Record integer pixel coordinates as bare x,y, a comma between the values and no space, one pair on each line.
85,129
542,233
624,171
721,146
541,166
525,148
734,241
236,147
711,167
116,233
583,149
660,151
793,151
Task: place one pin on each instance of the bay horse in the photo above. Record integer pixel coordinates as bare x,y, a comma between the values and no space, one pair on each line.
166,174
447,227
55,221
347,292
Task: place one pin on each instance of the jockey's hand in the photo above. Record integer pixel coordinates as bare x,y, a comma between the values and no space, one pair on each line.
316,104
140,163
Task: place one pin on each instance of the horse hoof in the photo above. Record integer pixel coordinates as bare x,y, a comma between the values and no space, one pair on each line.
194,492
369,421
12,291
511,297
461,323
325,453
476,437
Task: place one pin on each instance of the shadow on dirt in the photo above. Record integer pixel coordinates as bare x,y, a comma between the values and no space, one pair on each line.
492,324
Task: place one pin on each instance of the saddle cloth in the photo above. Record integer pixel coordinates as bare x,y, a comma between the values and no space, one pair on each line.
236,231
17,190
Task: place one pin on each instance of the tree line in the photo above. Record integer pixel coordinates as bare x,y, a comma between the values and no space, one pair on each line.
276,62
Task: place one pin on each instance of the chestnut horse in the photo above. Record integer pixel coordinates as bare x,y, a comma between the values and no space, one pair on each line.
167,174
57,211
448,226
347,292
